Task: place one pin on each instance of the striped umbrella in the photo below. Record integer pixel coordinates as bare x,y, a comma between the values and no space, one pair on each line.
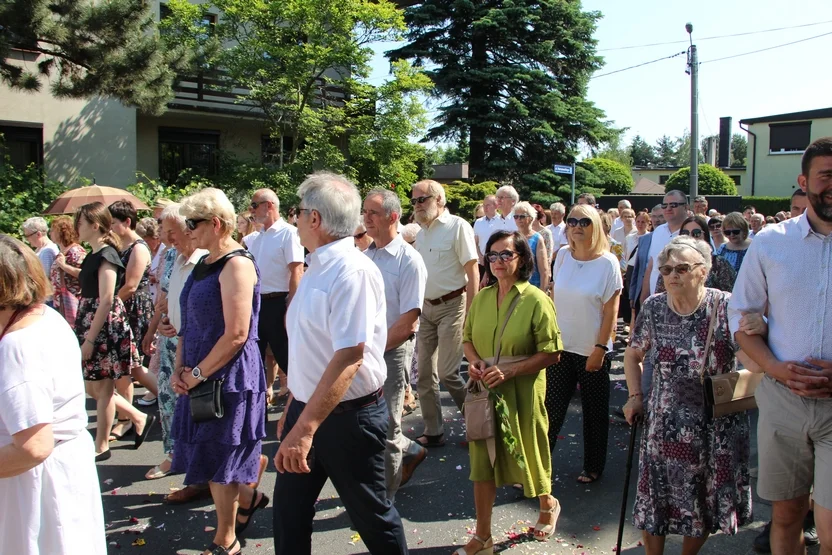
72,200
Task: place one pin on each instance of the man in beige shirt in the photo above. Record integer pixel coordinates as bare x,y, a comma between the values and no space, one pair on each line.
448,248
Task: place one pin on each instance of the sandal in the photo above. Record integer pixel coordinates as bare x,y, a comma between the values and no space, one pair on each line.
430,441
487,547
156,472
587,477
215,549
543,533
119,437
240,527
148,424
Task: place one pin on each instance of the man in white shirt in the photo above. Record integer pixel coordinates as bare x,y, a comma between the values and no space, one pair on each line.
617,224
700,207
758,222
448,248
405,276
279,257
335,423
787,274
675,210
488,224
36,233
557,227
507,197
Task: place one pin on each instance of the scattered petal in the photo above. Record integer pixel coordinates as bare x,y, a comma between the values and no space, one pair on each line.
139,542
209,528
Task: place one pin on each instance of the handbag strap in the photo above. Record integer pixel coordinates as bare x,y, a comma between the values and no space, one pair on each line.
711,326
498,348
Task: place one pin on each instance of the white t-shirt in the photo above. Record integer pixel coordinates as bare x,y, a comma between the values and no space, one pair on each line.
580,291
661,237
273,250
558,235
484,227
630,246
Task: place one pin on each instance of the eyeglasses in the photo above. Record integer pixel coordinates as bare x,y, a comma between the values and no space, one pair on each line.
359,235
191,223
680,269
696,233
575,222
673,204
505,256
731,232
421,200
29,235
521,216
254,204
714,225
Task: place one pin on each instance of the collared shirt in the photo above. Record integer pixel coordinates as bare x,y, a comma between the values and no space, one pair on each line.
404,275
339,304
446,246
558,235
661,237
484,227
47,255
273,250
788,268
182,268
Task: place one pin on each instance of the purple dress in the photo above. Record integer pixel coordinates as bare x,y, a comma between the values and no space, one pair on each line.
227,450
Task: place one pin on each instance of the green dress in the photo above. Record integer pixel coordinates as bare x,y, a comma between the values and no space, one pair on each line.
531,329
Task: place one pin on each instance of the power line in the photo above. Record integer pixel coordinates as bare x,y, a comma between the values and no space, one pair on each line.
764,49
716,36
640,65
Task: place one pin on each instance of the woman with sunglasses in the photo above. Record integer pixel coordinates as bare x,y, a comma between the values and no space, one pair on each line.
693,470
715,229
735,229
586,288
722,275
524,216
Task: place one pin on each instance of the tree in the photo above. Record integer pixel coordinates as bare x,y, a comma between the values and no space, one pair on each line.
612,149
610,176
666,149
711,181
461,197
739,150
641,152
512,77
90,48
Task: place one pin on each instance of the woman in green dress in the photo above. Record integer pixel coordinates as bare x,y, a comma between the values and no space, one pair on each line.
530,342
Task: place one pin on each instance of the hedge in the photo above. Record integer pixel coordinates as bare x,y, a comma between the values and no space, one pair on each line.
768,206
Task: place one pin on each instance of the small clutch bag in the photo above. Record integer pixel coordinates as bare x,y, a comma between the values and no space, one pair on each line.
206,401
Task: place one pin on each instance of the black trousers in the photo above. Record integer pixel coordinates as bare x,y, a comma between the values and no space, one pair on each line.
349,450
271,330
561,380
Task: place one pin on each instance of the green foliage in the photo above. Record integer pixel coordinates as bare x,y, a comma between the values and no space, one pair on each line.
25,193
768,205
641,152
612,177
90,48
544,199
739,150
666,152
711,181
461,197
612,149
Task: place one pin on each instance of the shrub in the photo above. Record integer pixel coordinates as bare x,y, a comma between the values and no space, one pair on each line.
711,181
463,197
768,205
25,193
614,178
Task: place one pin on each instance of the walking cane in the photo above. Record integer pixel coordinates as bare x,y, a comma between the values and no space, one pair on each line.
633,430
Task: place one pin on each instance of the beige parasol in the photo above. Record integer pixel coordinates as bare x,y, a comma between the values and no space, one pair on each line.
72,200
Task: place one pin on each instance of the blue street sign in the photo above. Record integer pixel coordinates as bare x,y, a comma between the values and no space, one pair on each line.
559,168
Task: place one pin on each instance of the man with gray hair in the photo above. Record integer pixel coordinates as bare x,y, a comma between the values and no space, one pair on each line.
557,211
405,276
617,224
507,197
675,211
36,233
335,422
447,246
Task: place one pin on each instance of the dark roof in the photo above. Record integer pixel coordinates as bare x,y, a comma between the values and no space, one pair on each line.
794,116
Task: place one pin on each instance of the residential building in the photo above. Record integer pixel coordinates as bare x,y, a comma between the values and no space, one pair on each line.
775,147
660,175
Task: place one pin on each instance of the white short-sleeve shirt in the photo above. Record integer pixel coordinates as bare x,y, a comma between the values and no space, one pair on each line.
558,235
581,289
446,246
404,275
485,227
661,237
182,268
339,304
273,250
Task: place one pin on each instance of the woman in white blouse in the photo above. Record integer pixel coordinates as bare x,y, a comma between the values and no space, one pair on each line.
50,500
586,289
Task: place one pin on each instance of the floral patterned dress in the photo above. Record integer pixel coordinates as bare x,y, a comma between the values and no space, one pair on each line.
139,306
67,288
693,470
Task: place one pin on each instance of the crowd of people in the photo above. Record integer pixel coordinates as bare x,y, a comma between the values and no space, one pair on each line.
350,315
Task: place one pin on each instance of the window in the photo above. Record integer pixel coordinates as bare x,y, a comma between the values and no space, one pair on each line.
663,179
736,179
270,149
181,149
22,146
789,137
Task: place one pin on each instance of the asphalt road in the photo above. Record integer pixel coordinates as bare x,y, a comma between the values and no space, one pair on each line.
437,506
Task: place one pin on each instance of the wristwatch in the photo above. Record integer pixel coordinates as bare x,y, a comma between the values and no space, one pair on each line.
197,374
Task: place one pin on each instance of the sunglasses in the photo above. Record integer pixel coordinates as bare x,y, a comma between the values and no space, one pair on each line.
673,204
731,232
521,216
421,200
192,223
254,205
575,222
697,233
359,235
680,269
505,256
715,225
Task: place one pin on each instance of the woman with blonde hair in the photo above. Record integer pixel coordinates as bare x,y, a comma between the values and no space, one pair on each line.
586,289
67,267
735,231
524,216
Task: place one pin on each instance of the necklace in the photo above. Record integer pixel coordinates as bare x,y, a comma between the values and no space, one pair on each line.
671,303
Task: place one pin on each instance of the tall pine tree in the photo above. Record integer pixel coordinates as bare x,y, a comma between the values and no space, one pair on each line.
512,75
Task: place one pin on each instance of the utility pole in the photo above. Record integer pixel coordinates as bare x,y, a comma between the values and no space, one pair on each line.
693,70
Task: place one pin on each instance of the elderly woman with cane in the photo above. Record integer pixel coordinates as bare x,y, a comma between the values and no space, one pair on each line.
693,470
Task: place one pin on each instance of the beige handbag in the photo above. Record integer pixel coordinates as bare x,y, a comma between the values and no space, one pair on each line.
480,420
731,392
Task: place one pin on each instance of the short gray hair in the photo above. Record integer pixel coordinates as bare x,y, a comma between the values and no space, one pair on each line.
510,191
624,202
32,225
682,242
336,199
171,212
559,208
657,208
525,208
410,231
434,189
677,193
389,201
268,195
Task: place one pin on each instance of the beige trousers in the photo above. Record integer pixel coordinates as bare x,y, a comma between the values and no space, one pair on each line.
440,356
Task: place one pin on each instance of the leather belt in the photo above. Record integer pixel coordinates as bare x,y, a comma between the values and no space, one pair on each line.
361,402
448,297
281,295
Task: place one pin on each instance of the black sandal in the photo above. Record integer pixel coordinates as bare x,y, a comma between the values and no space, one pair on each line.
119,437
588,479
431,441
151,420
220,550
240,527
